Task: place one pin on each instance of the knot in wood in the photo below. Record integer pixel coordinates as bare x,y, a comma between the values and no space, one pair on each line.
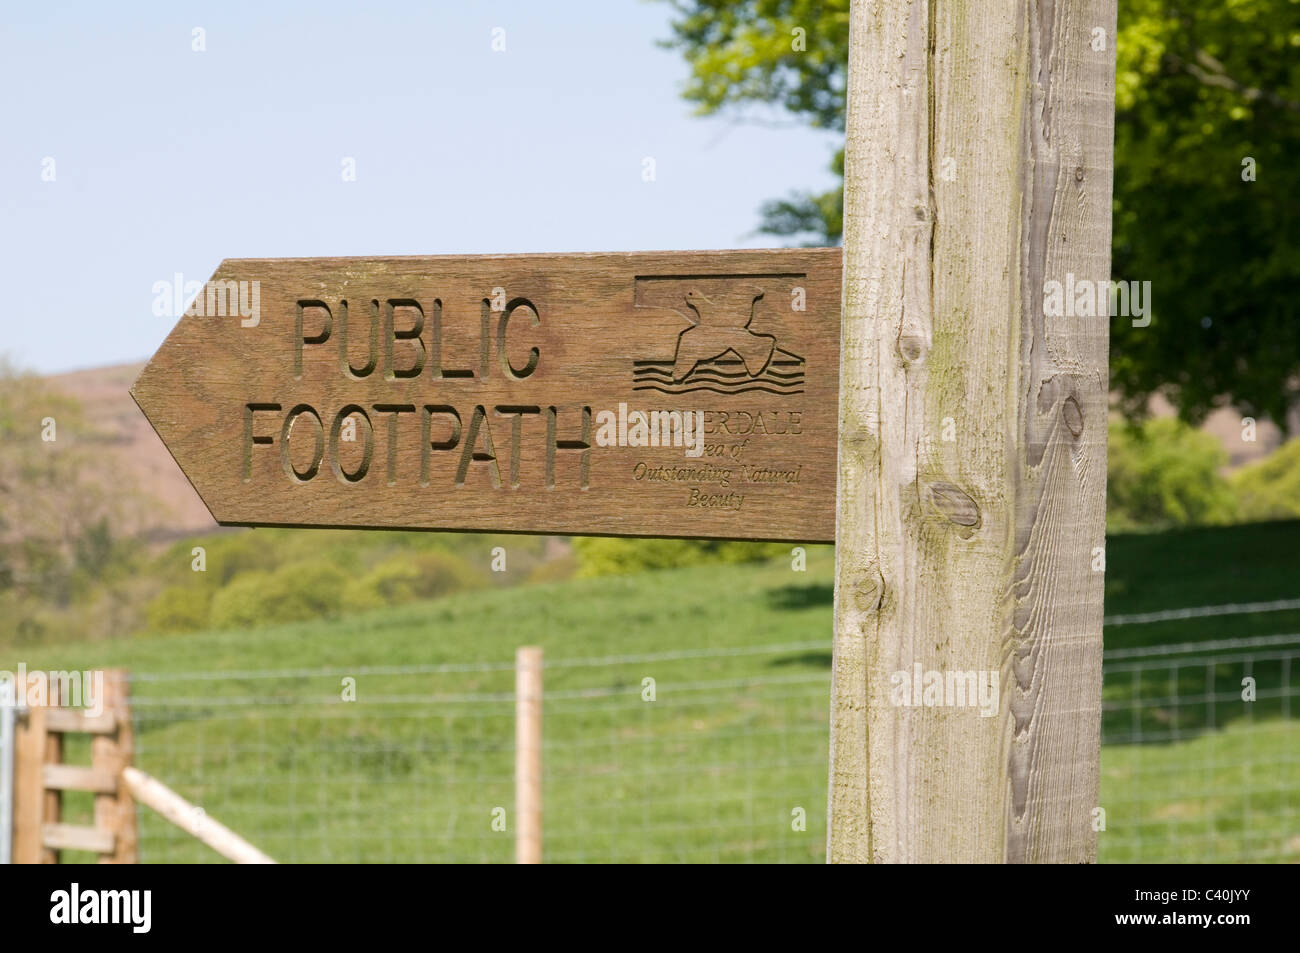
1073,415
868,592
955,505
911,347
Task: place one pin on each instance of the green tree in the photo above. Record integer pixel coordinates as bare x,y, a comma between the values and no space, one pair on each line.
56,519
606,556
1201,88
1207,98
294,593
751,56
1164,474
1269,489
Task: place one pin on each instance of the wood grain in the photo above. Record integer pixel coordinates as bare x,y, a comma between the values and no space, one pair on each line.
475,376
528,755
972,430
111,754
76,721
76,837
75,777
153,794
29,788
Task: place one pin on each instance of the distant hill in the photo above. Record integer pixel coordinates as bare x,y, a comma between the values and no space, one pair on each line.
104,393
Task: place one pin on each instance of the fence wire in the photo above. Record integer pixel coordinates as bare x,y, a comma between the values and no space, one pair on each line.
1201,752
700,756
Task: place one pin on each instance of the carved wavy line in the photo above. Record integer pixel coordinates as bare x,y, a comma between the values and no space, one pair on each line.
794,361
708,370
731,385
737,390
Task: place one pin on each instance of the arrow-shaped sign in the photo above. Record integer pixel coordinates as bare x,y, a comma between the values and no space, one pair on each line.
653,394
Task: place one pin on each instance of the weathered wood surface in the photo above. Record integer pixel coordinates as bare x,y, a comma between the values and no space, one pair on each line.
76,721
972,428
154,794
35,805
528,755
111,754
76,837
30,798
75,777
482,381
41,777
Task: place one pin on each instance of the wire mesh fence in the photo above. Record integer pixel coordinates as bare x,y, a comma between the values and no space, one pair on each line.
689,756
1201,752
710,756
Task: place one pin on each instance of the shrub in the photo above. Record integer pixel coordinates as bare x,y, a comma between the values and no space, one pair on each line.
599,556
226,555
1270,488
410,577
554,570
180,608
1163,474
299,591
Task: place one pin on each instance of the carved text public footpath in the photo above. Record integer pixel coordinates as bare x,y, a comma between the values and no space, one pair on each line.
647,394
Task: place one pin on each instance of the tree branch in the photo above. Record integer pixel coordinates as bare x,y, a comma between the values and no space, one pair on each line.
1211,72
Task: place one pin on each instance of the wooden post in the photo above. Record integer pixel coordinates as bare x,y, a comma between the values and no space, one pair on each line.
528,755
972,432
154,794
52,798
8,708
35,804
29,789
115,810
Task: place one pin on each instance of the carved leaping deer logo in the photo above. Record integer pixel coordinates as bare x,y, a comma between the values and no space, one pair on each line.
722,325
721,351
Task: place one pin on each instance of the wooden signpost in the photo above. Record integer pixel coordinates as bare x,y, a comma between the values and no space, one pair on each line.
964,484
686,394
972,488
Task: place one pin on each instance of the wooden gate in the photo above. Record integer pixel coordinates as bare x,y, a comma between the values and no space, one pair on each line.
41,777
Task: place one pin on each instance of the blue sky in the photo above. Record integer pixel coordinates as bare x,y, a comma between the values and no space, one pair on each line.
168,160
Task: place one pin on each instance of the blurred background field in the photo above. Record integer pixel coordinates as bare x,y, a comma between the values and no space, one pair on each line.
722,765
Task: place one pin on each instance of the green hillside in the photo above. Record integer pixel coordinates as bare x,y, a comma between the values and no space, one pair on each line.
721,766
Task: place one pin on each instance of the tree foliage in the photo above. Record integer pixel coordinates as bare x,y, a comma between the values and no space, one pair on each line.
1164,474
1208,94
1269,489
1200,89
64,561
749,56
56,521
602,556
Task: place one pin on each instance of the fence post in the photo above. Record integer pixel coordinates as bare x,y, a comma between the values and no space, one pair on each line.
972,431
35,746
8,704
528,755
29,791
115,812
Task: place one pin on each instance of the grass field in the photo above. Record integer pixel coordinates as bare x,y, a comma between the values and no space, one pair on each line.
725,761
